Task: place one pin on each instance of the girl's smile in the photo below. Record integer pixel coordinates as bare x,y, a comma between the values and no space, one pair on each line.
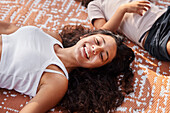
95,50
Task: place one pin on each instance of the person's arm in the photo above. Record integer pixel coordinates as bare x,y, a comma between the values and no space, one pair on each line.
7,28
50,93
113,24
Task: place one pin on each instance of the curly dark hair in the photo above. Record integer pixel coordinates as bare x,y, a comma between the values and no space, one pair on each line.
100,89
84,2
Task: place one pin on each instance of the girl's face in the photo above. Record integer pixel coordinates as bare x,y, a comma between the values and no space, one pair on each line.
95,50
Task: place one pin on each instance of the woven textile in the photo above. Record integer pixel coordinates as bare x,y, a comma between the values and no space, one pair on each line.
152,77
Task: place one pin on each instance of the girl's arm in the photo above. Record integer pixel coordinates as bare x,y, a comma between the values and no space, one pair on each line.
7,28
50,93
113,24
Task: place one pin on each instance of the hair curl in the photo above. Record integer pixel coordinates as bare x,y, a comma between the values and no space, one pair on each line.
84,2
100,89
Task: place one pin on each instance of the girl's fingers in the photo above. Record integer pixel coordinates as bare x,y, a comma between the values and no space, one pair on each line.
139,7
145,5
143,8
147,2
140,12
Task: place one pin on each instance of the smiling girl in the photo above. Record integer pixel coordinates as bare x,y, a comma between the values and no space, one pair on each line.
35,63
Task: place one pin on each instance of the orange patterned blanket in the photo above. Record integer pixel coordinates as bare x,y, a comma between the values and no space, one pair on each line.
152,77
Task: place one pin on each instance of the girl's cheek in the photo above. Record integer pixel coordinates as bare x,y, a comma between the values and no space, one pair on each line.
97,60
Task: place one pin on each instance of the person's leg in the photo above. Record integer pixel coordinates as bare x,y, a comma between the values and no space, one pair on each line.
168,47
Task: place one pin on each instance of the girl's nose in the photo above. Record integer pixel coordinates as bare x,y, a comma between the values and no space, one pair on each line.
96,49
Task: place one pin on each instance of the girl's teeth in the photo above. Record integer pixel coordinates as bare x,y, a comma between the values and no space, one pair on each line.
86,52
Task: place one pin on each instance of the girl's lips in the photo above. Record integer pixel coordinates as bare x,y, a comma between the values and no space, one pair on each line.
85,52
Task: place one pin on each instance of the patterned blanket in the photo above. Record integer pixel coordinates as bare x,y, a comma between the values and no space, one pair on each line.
152,77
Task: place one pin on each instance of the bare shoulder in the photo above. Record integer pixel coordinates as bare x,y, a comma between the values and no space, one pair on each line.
54,75
54,83
55,80
49,78
47,97
52,89
7,28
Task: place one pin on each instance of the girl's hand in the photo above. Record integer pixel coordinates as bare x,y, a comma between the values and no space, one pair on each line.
136,7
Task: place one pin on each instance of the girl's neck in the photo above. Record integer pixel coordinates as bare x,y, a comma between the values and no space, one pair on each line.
66,56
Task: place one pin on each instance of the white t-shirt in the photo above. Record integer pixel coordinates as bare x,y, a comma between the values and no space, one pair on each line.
25,56
133,25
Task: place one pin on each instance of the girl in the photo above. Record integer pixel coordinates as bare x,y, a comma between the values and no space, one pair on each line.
35,63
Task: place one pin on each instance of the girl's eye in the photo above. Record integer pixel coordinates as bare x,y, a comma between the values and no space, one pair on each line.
101,56
97,42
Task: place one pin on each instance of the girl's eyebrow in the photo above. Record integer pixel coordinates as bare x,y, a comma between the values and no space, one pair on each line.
106,51
102,39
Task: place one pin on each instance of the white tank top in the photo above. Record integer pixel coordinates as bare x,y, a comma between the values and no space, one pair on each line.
25,56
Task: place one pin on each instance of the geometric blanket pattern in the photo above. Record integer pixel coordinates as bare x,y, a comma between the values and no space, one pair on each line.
152,77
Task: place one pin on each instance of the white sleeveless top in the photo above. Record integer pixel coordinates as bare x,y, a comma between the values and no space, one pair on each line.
25,56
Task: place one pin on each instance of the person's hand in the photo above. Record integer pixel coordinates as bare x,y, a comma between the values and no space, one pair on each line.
138,7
